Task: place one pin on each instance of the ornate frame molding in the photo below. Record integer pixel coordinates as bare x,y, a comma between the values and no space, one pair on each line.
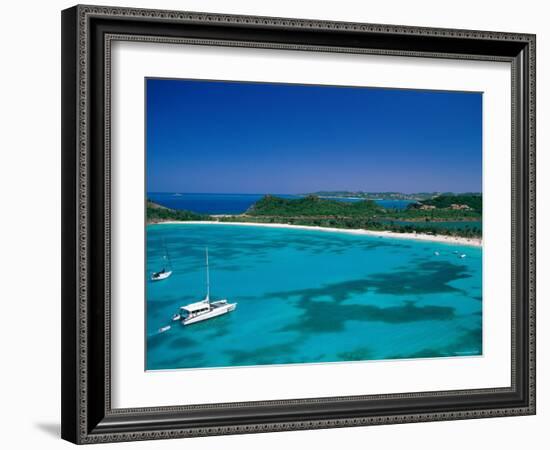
80,418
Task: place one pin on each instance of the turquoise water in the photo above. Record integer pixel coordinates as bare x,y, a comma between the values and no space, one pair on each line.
307,296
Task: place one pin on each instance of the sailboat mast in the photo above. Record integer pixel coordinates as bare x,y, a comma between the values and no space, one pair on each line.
166,255
207,277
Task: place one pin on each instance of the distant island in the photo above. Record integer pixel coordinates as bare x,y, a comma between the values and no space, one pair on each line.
419,196
437,214
157,213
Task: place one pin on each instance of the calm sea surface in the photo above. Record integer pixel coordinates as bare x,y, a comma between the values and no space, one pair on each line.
308,296
234,203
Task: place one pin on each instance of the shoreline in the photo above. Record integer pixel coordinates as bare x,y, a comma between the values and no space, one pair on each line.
453,240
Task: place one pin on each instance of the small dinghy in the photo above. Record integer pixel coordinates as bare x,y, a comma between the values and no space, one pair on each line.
163,329
436,253
462,255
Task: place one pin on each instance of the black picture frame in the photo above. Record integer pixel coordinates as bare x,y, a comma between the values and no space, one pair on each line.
87,415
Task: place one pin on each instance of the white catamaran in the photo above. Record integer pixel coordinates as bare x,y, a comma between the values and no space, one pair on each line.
204,309
166,269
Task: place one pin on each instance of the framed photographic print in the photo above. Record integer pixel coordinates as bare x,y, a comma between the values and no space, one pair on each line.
276,224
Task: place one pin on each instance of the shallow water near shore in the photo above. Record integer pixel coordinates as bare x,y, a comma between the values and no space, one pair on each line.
309,296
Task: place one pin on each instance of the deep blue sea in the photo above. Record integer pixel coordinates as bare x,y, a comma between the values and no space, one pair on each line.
234,203
307,296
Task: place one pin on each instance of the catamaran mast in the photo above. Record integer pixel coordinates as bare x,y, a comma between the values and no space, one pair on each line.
207,277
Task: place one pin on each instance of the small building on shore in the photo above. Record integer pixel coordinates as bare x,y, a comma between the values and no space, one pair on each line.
457,206
427,207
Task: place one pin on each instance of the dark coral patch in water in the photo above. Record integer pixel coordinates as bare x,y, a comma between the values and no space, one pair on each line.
429,278
182,361
424,353
337,291
154,341
471,341
237,245
219,332
181,342
177,343
325,317
358,354
468,343
272,354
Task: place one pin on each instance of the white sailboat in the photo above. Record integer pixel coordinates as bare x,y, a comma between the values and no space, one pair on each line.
204,309
166,270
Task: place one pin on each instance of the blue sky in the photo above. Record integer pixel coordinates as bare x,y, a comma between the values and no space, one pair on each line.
231,137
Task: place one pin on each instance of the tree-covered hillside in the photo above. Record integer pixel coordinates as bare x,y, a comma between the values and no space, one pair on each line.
363,214
157,213
311,206
473,201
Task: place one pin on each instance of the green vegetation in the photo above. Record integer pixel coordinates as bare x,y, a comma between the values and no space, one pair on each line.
311,206
472,201
157,213
355,223
367,214
312,210
433,215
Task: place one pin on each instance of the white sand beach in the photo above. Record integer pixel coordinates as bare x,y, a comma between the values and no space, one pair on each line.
456,240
